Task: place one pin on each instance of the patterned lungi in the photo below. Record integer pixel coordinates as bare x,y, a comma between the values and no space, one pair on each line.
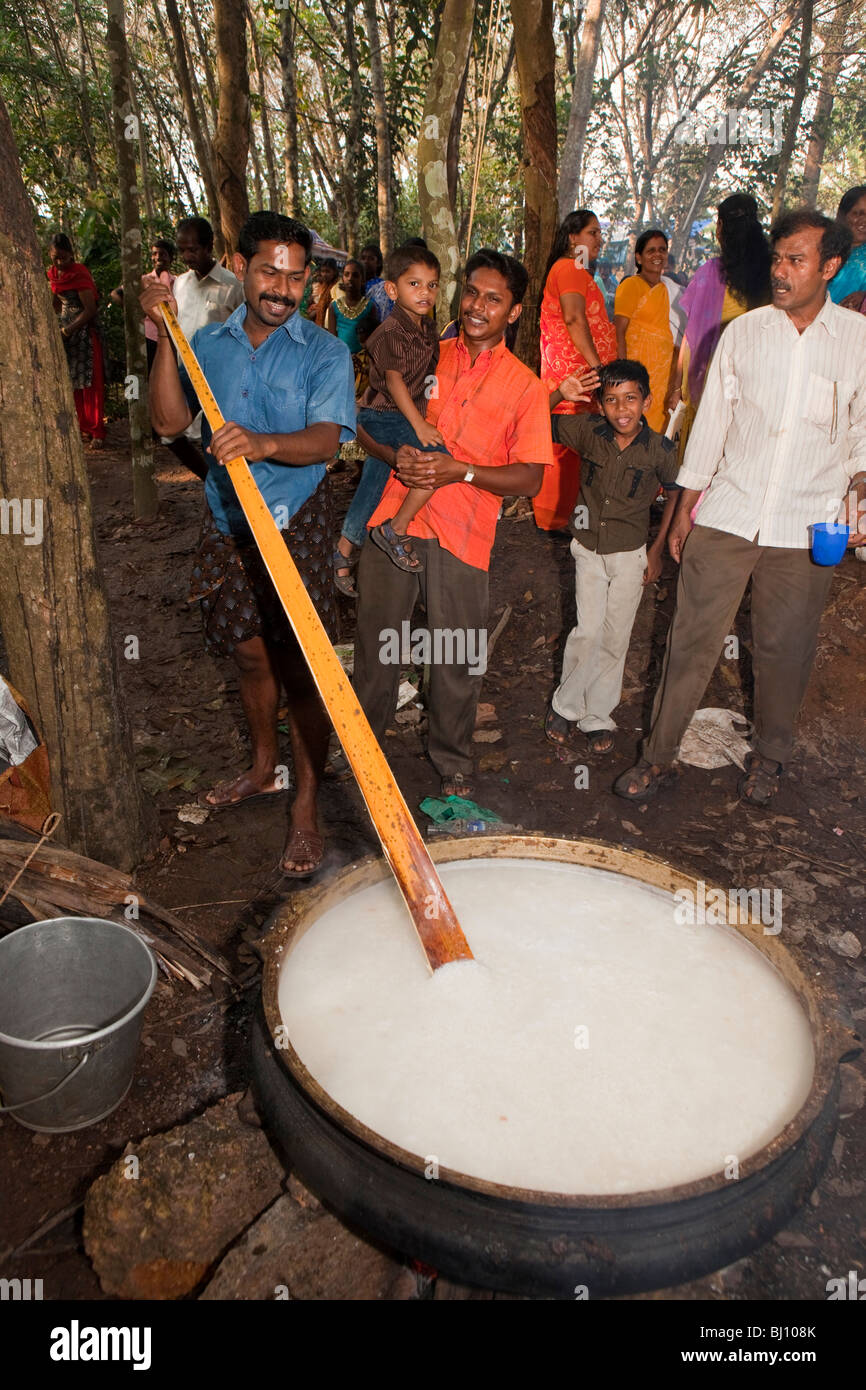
238,599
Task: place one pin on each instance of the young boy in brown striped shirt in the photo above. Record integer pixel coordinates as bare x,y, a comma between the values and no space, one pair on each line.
404,353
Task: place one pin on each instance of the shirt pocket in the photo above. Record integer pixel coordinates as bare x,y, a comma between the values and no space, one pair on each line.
826,402
278,410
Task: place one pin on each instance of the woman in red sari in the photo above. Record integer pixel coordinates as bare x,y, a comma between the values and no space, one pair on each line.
576,334
75,303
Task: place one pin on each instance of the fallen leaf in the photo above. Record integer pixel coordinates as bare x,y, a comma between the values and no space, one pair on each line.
793,1240
485,714
412,715
845,944
487,736
179,1047
527,597
846,1189
491,762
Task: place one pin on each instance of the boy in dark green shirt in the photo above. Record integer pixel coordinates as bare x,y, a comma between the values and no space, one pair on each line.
624,463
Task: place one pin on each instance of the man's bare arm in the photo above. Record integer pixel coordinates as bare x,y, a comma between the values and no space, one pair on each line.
418,469
302,447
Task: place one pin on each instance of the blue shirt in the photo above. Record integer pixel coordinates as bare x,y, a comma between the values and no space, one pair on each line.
299,376
852,276
379,297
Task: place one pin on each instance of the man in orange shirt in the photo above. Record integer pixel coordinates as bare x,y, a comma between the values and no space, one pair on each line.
494,417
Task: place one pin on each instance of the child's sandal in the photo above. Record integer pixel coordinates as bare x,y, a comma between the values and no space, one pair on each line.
344,582
398,548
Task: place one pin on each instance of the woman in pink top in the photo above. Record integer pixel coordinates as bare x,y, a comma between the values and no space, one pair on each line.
162,254
576,334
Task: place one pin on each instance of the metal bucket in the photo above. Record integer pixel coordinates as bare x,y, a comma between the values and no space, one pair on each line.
72,994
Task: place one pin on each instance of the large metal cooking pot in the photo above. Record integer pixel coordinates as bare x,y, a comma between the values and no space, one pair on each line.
520,1241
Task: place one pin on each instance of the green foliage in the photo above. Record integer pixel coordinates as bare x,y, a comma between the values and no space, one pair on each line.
56,84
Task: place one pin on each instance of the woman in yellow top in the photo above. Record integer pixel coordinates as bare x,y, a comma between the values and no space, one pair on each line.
730,284
641,314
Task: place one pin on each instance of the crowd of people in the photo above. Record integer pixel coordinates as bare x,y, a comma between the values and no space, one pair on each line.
756,370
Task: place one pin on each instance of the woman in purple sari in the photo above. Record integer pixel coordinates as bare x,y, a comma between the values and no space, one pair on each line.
730,284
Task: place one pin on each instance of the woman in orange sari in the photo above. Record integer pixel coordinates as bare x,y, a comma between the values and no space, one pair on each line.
576,334
641,315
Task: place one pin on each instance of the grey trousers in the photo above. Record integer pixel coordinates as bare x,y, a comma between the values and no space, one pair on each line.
455,596
788,597
608,591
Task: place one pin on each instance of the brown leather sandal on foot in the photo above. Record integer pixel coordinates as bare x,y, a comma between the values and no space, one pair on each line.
647,777
303,845
399,549
760,781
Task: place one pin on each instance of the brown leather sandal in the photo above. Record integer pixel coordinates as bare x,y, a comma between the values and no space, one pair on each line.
306,846
649,777
760,781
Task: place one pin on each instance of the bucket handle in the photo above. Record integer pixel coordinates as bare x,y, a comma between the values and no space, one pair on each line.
22,1104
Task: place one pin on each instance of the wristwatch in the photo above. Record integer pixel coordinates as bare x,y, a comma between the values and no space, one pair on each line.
469,474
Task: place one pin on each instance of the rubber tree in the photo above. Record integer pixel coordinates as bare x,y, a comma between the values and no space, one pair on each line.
264,118
536,65
354,157
126,140
198,134
231,144
443,88
384,202
289,84
832,57
53,611
780,26
798,94
571,160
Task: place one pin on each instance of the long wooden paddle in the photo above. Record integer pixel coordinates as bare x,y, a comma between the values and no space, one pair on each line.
431,912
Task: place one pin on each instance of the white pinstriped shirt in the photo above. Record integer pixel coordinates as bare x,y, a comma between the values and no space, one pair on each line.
781,427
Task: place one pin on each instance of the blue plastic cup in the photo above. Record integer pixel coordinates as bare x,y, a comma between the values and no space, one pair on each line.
829,540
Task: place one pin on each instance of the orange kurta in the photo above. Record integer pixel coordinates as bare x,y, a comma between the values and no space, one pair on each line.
554,504
648,338
490,412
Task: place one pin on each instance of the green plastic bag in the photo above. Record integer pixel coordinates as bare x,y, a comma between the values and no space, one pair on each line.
444,809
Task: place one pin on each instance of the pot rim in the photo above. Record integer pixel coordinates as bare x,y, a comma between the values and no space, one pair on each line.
830,1039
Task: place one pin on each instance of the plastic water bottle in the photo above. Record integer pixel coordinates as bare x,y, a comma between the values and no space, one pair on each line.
469,827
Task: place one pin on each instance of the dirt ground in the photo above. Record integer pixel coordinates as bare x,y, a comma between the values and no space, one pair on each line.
222,877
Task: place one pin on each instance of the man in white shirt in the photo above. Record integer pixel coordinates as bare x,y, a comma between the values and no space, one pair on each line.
206,293
778,440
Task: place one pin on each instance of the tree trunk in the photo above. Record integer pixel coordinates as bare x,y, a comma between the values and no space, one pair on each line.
290,107
354,153
571,162
258,191
52,604
232,142
797,97
146,191
833,35
536,62
326,179
177,53
383,137
715,152
144,492
206,59
191,204
446,75
452,157
267,142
